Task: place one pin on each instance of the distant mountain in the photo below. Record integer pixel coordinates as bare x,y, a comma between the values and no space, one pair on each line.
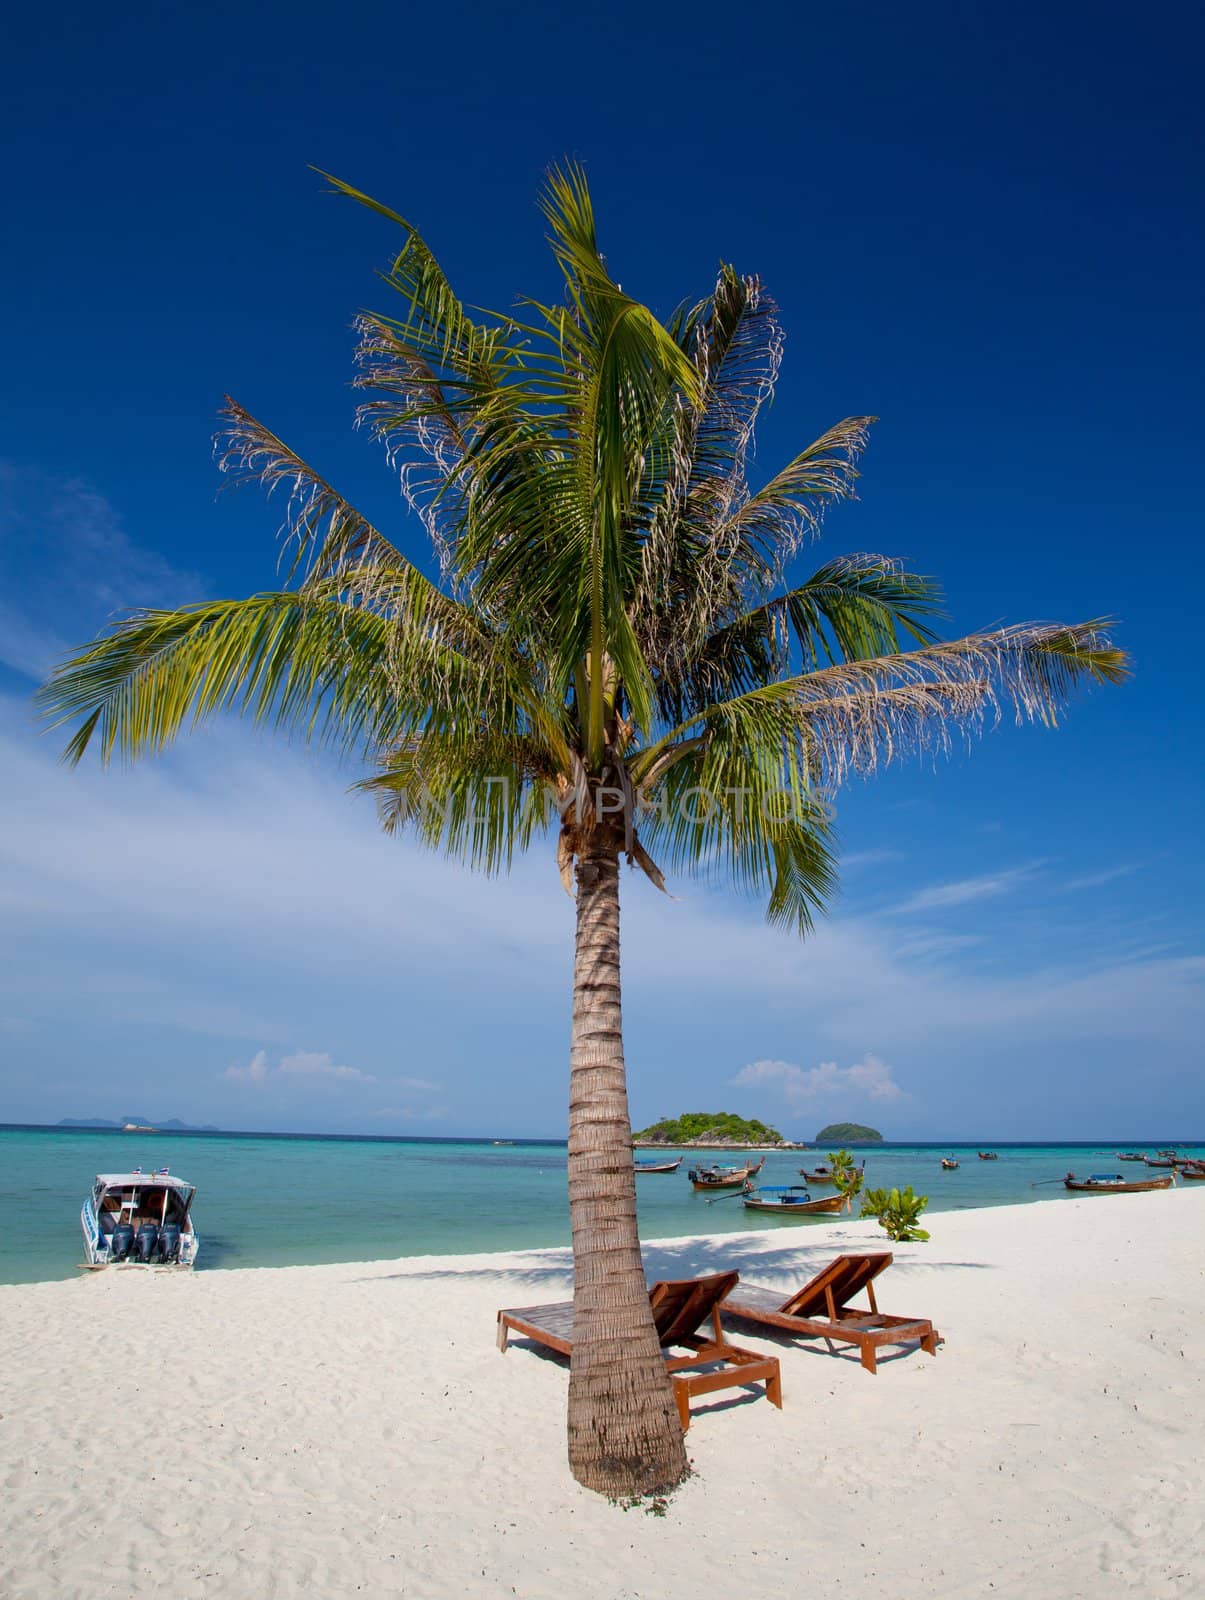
171,1125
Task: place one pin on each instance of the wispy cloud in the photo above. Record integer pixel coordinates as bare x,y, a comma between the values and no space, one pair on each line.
869,858
961,892
868,1079
234,891
927,942
65,550
410,1113
1094,880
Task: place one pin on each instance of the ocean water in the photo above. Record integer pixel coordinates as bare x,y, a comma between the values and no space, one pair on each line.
284,1200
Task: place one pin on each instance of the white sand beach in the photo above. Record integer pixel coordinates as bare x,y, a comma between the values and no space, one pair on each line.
334,1431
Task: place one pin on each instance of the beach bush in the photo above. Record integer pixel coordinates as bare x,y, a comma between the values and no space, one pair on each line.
898,1211
847,1179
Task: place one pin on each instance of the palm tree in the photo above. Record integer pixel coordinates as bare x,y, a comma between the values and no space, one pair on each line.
611,644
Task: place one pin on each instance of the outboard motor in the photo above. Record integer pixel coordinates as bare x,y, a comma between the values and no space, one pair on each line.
169,1242
148,1241
121,1241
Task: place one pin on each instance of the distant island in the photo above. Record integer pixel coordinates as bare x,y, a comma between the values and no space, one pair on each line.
848,1133
712,1130
137,1125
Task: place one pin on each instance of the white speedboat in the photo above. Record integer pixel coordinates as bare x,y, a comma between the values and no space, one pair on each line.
139,1219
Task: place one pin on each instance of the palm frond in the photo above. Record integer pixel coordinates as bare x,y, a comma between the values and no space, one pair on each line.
854,716
790,508
737,812
330,537
281,658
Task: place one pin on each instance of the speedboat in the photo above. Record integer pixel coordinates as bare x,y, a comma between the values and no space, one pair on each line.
139,1219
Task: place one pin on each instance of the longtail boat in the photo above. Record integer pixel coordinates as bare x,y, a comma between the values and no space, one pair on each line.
1131,1155
793,1200
824,1174
659,1166
987,1155
1162,1161
948,1164
1114,1183
1194,1169
723,1177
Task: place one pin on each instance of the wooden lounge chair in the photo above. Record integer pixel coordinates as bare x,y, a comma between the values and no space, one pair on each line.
678,1309
820,1310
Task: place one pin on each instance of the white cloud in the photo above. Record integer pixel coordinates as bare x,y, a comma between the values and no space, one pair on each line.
317,1064
310,1064
256,1070
868,1079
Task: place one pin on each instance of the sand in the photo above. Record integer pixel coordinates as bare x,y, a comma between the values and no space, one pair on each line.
334,1431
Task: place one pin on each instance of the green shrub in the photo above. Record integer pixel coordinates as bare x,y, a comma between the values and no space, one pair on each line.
847,1178
897,1211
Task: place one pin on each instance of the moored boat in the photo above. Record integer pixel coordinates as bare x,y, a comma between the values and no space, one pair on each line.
723,1177
1131,1155
1195,1169
948,1164
1161,1161
1114,1183
659,1166
139,1219
793,1200
987,1155
823,1174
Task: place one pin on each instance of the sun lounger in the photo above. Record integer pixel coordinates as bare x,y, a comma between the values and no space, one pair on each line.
820,1310
678,1310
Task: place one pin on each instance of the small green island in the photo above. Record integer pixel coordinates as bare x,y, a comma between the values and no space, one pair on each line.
848,1133
720,1128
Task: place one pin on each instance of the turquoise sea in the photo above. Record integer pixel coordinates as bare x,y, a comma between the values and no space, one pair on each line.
266,1200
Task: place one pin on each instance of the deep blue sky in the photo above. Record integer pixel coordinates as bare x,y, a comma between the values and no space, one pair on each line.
983,226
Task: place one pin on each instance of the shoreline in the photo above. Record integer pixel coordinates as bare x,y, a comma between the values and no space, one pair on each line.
301,1429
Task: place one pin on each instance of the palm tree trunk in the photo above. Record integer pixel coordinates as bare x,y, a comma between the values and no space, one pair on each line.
624,1434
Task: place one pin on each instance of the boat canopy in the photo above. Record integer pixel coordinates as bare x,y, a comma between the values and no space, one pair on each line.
145,1180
